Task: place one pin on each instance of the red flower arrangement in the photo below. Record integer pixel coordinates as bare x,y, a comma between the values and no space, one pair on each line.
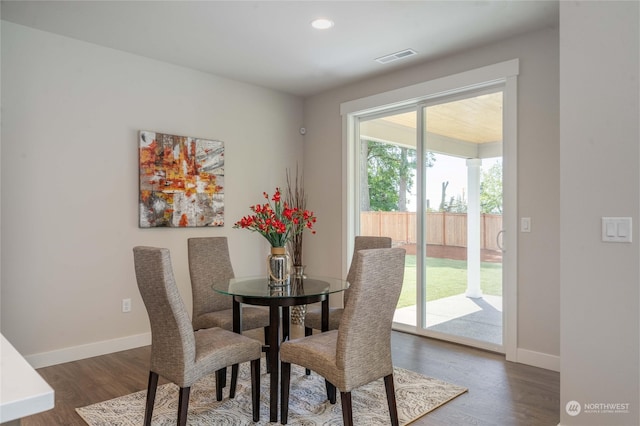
279,222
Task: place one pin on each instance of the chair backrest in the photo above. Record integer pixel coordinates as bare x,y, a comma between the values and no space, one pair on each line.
209,262
173,346
362,242
364,336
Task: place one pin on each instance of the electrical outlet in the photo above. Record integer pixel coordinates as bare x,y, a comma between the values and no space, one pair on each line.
126,305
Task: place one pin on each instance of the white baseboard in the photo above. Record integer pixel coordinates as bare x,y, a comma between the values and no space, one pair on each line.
45,359
538,359
74,353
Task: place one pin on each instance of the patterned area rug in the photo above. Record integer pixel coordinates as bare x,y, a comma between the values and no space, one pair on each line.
416,395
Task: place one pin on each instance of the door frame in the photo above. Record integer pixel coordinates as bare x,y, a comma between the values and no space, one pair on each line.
504,73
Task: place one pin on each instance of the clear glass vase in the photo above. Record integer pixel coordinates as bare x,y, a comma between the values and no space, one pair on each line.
298,312
298,271
278,267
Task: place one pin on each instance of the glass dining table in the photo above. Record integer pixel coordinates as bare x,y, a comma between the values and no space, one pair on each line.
300,291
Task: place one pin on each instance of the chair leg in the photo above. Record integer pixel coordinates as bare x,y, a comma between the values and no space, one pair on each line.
285,381
347,410
266,339
234,380
308,331
331,391
255,389
223,379
266,334
151,397
391,399
220,379
183,406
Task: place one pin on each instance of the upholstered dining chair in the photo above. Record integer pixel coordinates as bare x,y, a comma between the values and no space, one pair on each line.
313,317
359,351
209,262
177,352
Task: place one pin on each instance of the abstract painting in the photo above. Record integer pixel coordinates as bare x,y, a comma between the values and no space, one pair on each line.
181,181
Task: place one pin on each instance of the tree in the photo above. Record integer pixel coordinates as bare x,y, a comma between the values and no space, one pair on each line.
389,175
384,172
457,204
443,197
365,199
405,177
491,190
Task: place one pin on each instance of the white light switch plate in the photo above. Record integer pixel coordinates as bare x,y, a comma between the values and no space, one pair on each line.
616,229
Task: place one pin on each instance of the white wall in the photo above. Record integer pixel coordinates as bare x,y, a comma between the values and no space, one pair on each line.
538,169
71,112
600,161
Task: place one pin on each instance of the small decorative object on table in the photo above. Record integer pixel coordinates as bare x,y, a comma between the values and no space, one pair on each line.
296,198
298,271
278,223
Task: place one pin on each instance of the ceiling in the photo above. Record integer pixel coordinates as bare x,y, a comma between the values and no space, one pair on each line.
272,44
475,119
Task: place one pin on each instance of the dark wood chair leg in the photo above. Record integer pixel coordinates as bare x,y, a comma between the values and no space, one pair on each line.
255,389
391,399
286,323
220,375
266,339
308,331
285,381
183,406
223,378
266,333
347,410
331,391
234,380
151,397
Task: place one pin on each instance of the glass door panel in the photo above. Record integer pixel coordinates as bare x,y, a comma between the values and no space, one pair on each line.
463,218
388,190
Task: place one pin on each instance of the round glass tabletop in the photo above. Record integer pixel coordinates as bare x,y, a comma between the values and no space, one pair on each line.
297,287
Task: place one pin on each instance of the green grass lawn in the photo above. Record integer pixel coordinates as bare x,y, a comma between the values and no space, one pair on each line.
446,277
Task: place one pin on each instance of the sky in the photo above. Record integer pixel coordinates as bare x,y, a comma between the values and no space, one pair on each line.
451,169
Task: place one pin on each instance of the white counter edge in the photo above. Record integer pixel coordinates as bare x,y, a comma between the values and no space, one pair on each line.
23,392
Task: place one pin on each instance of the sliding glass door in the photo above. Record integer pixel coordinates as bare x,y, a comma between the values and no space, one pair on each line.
430,177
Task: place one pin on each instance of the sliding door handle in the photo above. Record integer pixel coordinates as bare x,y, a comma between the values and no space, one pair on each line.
499,240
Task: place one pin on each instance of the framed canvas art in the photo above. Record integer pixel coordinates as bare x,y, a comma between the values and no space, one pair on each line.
181,181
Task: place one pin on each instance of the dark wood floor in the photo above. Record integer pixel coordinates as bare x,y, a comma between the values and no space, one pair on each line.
500,392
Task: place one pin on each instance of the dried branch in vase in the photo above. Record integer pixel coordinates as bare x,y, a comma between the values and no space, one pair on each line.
296,198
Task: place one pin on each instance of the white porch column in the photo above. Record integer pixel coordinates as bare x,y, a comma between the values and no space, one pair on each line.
473,228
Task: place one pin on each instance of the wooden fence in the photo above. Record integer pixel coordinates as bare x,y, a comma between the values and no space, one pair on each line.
442,228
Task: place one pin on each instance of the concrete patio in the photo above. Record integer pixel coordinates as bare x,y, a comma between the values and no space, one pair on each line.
478,319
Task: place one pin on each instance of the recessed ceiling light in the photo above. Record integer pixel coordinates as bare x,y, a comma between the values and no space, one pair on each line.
322,23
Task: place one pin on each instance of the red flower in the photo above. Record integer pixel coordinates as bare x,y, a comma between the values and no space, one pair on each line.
278,223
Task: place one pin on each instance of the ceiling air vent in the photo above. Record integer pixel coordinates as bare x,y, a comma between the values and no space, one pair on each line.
395,56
